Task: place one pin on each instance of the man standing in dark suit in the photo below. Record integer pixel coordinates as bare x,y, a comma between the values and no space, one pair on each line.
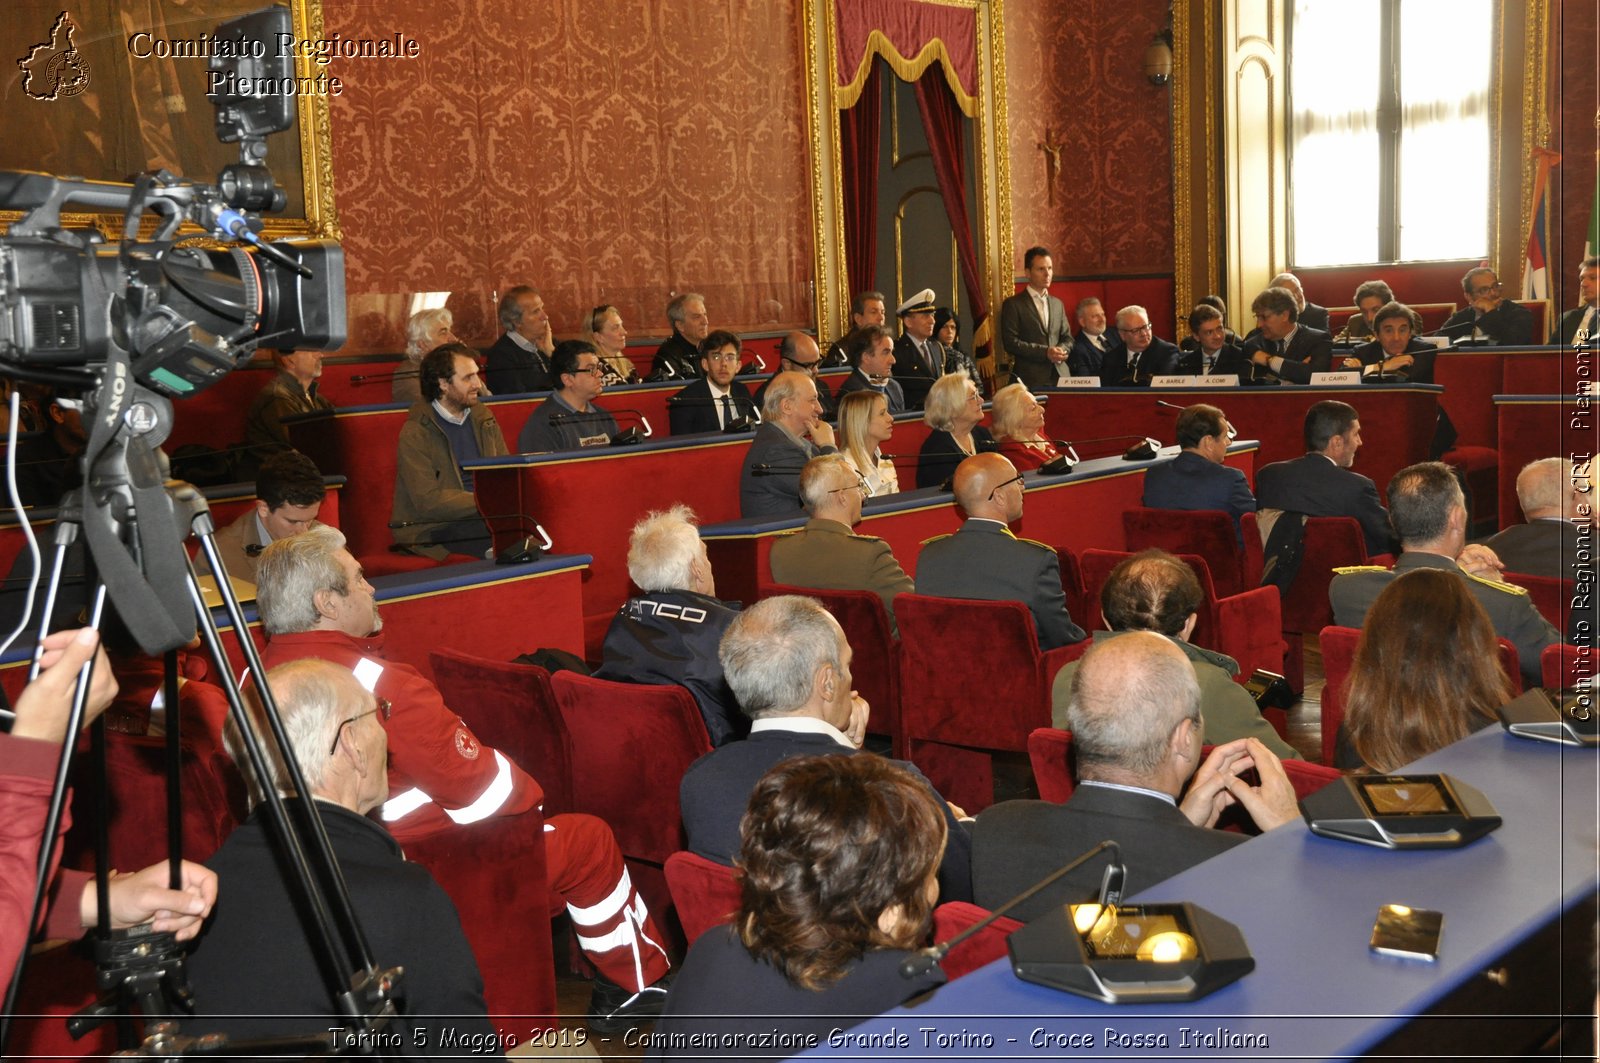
984,561
679,355
1320,483
716,400
867,308
792,432
519,361
871,353
1506,322
1586,318
919,359
1310,314
1551,503
1281,344
1197,478
1089,346
788,662
1136,733
1140,355
1033,325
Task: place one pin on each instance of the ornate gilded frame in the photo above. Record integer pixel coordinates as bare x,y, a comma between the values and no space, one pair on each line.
313,166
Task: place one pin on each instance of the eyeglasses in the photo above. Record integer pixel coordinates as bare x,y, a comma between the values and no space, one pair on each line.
859,485
729,356
1017,479
1487,288
595,369
804,367
1133,331
382,708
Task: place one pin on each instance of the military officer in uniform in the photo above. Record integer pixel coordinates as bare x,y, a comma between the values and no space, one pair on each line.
984,561
1429,515
825,553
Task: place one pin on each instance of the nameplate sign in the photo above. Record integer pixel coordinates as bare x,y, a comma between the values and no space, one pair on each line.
1175,381
1078,382
1335,379
1218,380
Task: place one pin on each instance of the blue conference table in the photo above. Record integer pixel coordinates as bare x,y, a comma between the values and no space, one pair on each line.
1306,906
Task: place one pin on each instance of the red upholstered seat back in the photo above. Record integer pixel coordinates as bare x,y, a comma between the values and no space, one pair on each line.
705,892
1330,542
982,948
1208,533
1050,754
1072,585
876,662
1551,596
512,708
1561,665
631,744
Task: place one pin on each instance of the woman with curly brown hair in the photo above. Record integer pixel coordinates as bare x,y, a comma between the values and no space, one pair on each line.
839,862
1426,673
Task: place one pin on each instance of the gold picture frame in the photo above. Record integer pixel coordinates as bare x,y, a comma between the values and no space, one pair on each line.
93,97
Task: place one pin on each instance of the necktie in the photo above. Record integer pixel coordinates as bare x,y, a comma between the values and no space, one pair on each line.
927,359
727,410
1099,342
1277,347
1042,304
1585,327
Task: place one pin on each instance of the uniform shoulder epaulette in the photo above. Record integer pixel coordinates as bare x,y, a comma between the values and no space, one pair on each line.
1345,570
1508,588
1036,542
872,538
936,538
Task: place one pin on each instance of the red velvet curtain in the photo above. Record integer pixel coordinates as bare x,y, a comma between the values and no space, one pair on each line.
942,121
859,131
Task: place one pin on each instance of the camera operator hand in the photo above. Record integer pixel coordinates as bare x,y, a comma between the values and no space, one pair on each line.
46,703
143,897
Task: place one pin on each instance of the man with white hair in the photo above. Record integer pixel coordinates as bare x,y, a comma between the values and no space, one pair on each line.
255,970
1310,314
425,331
315,602
669,634
1138,354
1136,733
792,432
1555,503
678,358
788,662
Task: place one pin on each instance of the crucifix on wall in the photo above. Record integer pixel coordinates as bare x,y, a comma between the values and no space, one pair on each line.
1052,162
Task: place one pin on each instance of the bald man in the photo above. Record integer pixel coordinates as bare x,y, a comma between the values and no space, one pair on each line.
986,562
1557,504
799,353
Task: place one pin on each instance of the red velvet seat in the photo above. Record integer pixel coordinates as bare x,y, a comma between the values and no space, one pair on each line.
1330,542
1245,626
1072,585
1564,665
876,661
1480,468
973,682
1050,754
631,744
705,892
386,563
1210,533
1338,656
982,948
512,708
1552,597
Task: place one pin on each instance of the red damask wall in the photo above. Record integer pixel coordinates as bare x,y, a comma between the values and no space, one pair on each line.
603,150
1077,70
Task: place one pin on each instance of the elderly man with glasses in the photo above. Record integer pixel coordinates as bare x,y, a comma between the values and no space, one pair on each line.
568,419
825,553
1138,354
1488,314
986,562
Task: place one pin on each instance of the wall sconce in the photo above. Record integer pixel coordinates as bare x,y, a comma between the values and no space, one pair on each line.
1158,58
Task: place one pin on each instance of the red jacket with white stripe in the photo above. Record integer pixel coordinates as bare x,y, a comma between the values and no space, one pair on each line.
439,773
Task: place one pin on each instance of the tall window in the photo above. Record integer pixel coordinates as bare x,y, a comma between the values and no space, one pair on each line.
1389,138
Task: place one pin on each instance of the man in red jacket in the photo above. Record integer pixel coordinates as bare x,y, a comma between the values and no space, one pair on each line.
314,602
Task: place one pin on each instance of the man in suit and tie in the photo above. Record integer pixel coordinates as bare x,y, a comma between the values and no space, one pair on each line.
519,361
1554,503
1197,477
798,352
1139,355
867,308
871,353
919,359
1506,322
1137,731
1320,483
716,400
984,561
1310,314
1033,325
1586,318
792,432
1281,344
1212,352
1089,346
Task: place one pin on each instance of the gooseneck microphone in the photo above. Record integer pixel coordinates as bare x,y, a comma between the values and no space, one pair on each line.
1111,887
1233,433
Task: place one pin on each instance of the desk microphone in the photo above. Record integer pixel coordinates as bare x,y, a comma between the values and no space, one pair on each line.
378,378
757,364
627,437
1143,449
1233,433
748,416
1111,886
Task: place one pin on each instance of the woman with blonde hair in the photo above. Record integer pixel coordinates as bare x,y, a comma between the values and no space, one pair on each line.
1018,425
865,424
953,410
426,330
605,331
1426,673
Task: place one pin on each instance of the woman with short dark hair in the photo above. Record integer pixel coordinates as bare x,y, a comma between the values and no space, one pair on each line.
839,864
